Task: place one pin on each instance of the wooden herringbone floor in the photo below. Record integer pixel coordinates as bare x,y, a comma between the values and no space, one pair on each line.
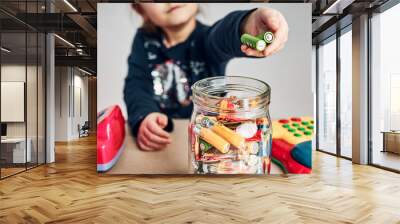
70,191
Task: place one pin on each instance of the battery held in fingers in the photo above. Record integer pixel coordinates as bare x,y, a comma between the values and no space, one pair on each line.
268,37
253,42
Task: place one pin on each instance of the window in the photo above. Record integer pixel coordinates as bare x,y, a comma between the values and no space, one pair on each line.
385,89
346,93
327,96
329,111
22,77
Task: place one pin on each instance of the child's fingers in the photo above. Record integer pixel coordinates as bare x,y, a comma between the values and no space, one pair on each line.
279,26
279,48
162,120
141,145
272,47
152,145
251,52
155,138
149,144
156,129
277,44
271,21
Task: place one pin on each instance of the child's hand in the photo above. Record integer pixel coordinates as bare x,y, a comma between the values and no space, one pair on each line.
151,135
261,20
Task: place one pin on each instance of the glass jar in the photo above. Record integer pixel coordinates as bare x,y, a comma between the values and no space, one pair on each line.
230,127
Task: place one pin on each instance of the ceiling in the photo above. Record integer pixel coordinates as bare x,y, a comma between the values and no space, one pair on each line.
76,22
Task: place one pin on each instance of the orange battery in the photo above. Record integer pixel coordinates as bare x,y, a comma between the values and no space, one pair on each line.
267,165
263,120
196,148
215,140
232,137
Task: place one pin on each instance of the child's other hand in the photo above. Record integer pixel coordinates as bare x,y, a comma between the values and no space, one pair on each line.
151,135
261,20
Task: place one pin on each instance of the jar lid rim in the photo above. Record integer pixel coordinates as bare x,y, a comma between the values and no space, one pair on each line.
265,92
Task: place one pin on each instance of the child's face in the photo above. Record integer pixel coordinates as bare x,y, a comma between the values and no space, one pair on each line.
169,14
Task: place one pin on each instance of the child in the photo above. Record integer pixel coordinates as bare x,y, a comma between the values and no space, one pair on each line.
172,50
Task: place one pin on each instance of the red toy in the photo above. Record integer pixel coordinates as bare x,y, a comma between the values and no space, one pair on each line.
110,137
291,143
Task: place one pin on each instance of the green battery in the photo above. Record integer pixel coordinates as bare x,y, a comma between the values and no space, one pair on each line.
204,146
253,42
268,37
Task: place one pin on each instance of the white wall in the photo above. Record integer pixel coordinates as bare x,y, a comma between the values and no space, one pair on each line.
116,26
68,81
288,72
62,82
